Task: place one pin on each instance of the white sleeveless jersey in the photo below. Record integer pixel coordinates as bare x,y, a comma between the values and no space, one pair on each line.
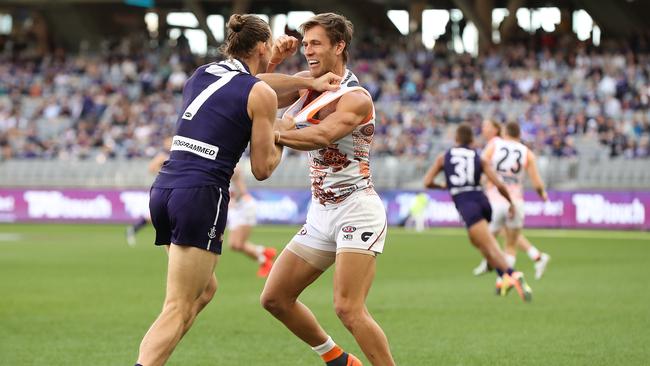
509,160
342,168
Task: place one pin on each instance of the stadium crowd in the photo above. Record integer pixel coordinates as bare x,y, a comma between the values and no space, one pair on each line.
122,102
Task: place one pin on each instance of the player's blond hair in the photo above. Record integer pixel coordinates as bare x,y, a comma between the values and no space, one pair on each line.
495,124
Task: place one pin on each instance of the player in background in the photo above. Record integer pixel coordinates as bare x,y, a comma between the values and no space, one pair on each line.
154,167
491,131
512,160
346,222
417,212
463,168
241,219
225,106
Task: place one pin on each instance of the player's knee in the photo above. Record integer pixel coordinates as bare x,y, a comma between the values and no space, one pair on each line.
475,241
273,303
236,244
178,308
208,293
348,312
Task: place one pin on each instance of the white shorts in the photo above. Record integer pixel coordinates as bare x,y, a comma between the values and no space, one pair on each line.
500,217
242,213
359,222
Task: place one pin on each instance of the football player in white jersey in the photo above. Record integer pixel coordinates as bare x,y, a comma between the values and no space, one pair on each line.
512,160
242,217
346,223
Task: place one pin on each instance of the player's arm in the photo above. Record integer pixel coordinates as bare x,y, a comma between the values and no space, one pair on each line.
492,177
156,163
265,154
287,87
352,110
283,47
533,173
432,173
487,154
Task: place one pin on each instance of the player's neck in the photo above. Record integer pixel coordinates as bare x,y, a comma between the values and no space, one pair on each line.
252,64
339,69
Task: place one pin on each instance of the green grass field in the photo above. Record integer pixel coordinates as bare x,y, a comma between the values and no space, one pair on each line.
78,295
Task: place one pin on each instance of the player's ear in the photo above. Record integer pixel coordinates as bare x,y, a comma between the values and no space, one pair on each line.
261,48
340,47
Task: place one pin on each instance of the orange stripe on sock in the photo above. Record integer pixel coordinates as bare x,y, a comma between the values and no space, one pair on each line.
332,354
353,361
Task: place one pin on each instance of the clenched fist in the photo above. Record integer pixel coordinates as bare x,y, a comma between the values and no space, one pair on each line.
283,47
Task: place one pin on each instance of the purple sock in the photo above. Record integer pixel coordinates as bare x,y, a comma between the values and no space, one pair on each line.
508,271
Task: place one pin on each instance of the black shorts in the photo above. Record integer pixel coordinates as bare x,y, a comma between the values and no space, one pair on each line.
473,207
190,216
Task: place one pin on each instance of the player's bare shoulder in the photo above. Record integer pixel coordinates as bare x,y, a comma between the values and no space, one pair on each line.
357,102
263,92
262,97
358,98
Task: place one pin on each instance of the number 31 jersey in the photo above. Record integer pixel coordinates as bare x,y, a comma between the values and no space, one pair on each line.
509,160
213,129
462,170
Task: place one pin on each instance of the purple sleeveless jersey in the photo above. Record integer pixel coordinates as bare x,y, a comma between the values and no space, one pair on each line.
214,128
189,199
463,172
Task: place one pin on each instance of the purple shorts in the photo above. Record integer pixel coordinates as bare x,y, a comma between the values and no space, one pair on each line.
190,216
473,207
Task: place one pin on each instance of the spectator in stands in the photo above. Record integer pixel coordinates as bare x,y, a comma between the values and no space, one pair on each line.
119,103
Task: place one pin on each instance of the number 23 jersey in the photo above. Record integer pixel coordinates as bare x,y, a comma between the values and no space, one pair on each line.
509,160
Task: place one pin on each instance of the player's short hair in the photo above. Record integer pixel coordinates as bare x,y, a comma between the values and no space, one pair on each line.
244,31
513,130
337,27
464,134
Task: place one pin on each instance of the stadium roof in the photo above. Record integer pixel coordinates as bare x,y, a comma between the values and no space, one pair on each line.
615,17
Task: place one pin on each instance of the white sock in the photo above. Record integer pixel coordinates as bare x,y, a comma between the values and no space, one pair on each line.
511,260
260,253
325,347
533,253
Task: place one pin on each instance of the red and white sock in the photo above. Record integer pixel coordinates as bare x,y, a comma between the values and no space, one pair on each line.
259,251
